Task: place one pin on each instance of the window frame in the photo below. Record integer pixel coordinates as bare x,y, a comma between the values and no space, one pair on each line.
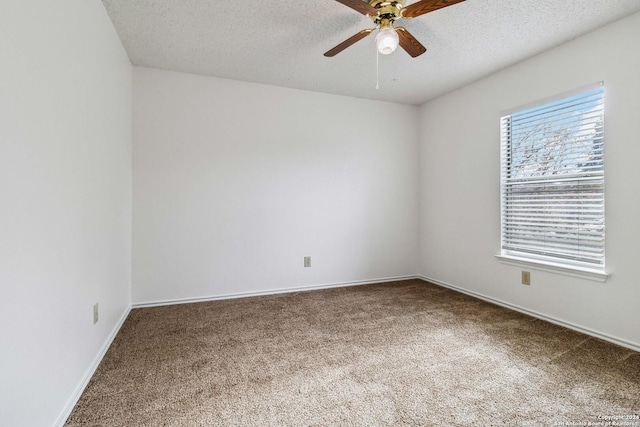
543,262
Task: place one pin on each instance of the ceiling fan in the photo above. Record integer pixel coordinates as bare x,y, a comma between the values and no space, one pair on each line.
384,13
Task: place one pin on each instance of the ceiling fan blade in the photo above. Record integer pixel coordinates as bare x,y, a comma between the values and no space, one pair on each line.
426,6
409,43
348,42
360,6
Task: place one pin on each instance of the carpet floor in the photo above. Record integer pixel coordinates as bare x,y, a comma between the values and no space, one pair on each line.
402,353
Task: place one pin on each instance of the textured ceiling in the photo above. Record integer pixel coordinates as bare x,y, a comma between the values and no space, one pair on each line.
281,43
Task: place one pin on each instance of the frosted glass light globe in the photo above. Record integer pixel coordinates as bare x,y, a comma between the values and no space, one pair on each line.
387,40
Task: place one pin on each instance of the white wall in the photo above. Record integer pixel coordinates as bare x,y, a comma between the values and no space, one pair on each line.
65,192
234,183
460,192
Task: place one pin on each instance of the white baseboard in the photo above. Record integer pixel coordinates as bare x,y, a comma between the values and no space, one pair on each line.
569,325
270,292
90,371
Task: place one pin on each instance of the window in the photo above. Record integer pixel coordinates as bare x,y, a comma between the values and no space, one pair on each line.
552,182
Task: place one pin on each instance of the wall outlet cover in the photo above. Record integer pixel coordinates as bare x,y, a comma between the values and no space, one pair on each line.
95,313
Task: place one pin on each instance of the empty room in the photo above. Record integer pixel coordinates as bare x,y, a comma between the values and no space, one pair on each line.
327,213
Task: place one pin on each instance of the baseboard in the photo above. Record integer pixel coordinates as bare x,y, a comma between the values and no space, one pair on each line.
532,313
90,371
270,292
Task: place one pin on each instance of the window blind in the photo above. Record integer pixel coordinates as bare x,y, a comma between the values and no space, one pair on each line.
552,180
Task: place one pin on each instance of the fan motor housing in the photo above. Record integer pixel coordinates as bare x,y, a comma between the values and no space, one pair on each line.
387,10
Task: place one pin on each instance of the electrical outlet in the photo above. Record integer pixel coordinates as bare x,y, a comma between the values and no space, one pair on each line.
95,313
526,278
307,261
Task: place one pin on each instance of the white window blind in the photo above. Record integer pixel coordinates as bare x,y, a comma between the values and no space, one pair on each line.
552,181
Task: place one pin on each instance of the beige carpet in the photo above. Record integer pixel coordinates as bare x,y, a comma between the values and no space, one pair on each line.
402,353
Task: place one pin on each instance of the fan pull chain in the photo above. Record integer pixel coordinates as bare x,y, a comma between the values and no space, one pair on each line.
377,70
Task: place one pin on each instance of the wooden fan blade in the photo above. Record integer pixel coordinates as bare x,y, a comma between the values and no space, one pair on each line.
348,42
426,6
409,43
360,6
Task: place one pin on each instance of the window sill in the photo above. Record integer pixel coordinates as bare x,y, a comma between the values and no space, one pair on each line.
582,273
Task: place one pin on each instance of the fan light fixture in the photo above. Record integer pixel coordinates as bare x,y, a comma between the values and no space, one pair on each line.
387,40
384,14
